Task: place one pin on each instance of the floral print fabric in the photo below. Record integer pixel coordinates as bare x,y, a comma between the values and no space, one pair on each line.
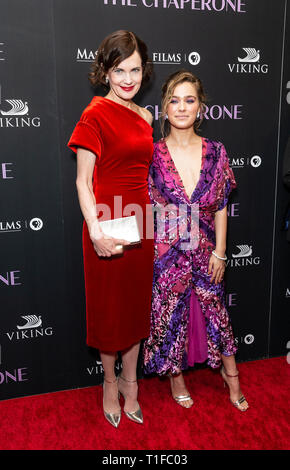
184,240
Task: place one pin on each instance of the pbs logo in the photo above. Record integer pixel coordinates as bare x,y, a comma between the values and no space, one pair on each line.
194,58
36,224
249,339
256,161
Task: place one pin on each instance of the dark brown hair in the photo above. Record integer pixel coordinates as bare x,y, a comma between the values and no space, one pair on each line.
115,48
167,92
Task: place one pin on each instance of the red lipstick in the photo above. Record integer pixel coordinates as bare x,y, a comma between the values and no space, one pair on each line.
127,88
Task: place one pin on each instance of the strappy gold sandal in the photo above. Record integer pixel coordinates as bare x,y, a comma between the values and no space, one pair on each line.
242,399
180,399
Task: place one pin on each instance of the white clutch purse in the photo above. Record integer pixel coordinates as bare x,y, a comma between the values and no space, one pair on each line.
125,228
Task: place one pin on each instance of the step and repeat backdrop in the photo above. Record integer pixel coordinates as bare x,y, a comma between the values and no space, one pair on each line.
239,49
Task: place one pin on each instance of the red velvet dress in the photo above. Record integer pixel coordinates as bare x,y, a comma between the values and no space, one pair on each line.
118,289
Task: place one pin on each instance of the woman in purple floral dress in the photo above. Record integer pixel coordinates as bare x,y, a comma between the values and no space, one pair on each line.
190,182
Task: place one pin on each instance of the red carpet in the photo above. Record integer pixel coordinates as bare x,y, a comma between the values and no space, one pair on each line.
74,420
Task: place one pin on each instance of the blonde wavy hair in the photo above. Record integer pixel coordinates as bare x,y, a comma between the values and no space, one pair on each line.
167,92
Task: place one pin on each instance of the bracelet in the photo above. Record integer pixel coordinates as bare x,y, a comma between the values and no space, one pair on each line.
219,257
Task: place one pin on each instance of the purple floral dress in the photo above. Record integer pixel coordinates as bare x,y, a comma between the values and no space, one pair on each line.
189,319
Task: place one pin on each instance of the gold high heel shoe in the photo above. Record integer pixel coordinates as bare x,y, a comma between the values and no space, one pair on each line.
113,418
180,399
135,416
242,399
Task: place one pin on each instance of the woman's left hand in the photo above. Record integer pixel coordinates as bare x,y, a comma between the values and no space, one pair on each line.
216,267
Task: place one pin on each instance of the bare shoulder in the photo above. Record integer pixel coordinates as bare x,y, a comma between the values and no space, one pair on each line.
145,113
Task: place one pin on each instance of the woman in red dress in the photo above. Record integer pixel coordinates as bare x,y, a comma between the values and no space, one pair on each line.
114,146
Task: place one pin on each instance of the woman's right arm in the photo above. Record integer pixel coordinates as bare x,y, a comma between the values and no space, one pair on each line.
104,245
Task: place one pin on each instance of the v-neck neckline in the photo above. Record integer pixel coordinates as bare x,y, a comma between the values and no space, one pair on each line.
128,109
203,154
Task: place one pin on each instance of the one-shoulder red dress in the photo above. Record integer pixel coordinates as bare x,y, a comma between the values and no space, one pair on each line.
118,289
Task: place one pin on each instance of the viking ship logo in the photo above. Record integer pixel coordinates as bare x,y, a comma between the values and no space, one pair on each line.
15,113
32,321
250,63
245,250
252,55
17,108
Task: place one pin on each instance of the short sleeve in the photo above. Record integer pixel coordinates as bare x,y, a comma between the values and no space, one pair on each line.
225,179
86,135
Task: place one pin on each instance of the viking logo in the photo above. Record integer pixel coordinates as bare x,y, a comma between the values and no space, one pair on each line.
245,250
252,55
18,108
32,321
